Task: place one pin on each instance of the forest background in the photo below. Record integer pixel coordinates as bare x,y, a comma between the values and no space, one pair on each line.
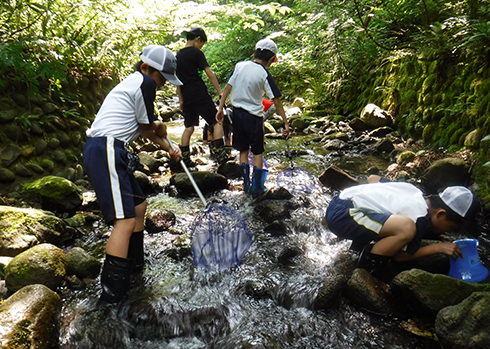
425,61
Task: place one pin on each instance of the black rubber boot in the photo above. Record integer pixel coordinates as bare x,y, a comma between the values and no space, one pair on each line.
374,263
186,156
222,155
115,279
136,251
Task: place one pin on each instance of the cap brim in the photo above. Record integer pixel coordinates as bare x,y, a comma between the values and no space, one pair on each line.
172,79
471,227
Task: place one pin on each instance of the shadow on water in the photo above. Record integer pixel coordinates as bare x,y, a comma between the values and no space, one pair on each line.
265,302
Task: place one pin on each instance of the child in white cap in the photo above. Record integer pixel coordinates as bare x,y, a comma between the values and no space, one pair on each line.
126,114
396,216
246,86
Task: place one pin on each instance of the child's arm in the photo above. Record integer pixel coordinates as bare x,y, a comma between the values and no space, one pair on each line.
157,134
280,111
448,248
181,98
214,81
220,115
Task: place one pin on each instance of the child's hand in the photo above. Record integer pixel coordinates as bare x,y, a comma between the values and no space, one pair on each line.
285,130
450,249
220,115
175,154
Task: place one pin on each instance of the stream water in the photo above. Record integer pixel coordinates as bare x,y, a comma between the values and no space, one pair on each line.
262,303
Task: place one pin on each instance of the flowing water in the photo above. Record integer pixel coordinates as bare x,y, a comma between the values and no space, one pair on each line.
265,302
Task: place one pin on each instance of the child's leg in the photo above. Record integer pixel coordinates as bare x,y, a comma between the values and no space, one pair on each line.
258,160
244,157
186,136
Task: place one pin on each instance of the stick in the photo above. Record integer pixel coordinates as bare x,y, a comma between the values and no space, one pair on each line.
184,166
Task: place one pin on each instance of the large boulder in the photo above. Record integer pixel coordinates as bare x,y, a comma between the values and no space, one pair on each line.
333,177
23,228
56,193
30,318
42,264
465,325
429,293
374,117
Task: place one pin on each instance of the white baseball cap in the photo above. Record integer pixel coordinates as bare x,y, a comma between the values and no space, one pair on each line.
266,44
162,59
462,201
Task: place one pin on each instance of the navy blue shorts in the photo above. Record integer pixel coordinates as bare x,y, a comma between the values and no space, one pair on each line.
349,223
205,108
106,163
248,131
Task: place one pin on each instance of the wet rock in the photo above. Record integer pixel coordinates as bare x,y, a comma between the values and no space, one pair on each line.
445,172
7,116
381,132
40,146
288,254
42,264
333,177
277,228
207,182
30,319
258,289
330,292
55,193
375,117
465,325
144,182
272,210
49,107
369,292
23,228
81,264
429,293
277,193
158,220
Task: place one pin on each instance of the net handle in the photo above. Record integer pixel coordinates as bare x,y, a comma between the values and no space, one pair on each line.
289,152
184,166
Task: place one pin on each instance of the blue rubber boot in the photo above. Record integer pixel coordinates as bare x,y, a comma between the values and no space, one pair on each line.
258,179
245,170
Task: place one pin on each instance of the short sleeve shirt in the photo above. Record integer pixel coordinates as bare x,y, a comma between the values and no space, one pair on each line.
191,62
250,81
128,105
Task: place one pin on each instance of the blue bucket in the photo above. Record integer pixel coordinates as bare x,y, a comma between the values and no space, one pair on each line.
468,268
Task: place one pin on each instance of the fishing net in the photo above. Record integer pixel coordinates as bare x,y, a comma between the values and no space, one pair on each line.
220,237
298,180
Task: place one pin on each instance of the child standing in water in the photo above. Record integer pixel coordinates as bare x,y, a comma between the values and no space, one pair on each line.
246,87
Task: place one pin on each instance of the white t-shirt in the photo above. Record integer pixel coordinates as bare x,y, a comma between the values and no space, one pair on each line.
395,197
128,104
250,80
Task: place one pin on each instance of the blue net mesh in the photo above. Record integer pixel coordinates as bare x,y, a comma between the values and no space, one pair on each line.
298,180
220,237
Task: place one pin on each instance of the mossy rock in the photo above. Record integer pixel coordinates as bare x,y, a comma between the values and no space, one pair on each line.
428,132
405,157
43,264
56,193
